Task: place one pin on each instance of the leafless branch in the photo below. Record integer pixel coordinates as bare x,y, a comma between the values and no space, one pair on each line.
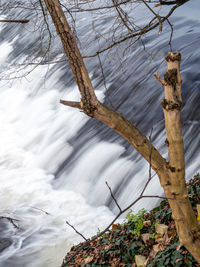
139,32
47,213
163,82
112,195
76,230
72,104
15,20
11,220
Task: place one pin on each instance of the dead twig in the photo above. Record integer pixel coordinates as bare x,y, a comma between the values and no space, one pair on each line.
76,230
11,220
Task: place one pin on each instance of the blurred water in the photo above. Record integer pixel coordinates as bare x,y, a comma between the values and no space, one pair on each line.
54,161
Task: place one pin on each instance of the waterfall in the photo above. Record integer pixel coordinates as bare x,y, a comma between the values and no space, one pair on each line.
54,160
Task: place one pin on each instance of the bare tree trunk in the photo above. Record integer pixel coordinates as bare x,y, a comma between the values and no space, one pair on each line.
89,103
171,175
174,176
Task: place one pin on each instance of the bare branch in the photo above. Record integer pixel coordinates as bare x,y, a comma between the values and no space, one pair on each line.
11,220
112,195
152,25
163,82
76,230
157,16
72,104
15,20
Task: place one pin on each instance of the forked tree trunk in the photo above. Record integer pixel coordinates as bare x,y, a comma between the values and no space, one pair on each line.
172,174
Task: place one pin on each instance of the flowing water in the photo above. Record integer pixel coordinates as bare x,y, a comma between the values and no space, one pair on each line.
54,161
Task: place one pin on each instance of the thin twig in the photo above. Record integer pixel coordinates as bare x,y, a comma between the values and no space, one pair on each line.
76,230
11,220
171,35
47,213
15,20
104,80
140,32
157,16
112,195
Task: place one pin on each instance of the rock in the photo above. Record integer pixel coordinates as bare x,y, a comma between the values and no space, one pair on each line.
140,260
4,243
161,229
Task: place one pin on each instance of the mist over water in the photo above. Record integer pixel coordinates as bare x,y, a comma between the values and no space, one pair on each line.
54,160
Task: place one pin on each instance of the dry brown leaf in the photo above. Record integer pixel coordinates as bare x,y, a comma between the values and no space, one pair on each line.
79,261
159,247
116,226
171,233
89,259
156,248
158,236
152,254
140,260
179,247
147,223
177,260
107,246
145,237
161,229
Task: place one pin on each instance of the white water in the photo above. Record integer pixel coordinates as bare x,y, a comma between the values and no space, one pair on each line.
34,129
32,145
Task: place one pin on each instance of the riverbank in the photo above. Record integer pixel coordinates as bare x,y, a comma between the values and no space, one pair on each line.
145,239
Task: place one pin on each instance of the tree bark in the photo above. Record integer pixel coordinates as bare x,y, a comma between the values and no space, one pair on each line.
174,177
172,174
89,103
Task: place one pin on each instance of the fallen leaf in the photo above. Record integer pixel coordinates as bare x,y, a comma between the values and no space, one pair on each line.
145,237
158,236
177,260
140,260
179,247
184,252
147,223
171,233
116,226
161,229
89,259
107,246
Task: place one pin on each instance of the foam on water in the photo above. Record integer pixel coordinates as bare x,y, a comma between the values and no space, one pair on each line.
32,146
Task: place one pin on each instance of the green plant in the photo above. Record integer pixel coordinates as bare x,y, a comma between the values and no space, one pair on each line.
174,256
136,222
